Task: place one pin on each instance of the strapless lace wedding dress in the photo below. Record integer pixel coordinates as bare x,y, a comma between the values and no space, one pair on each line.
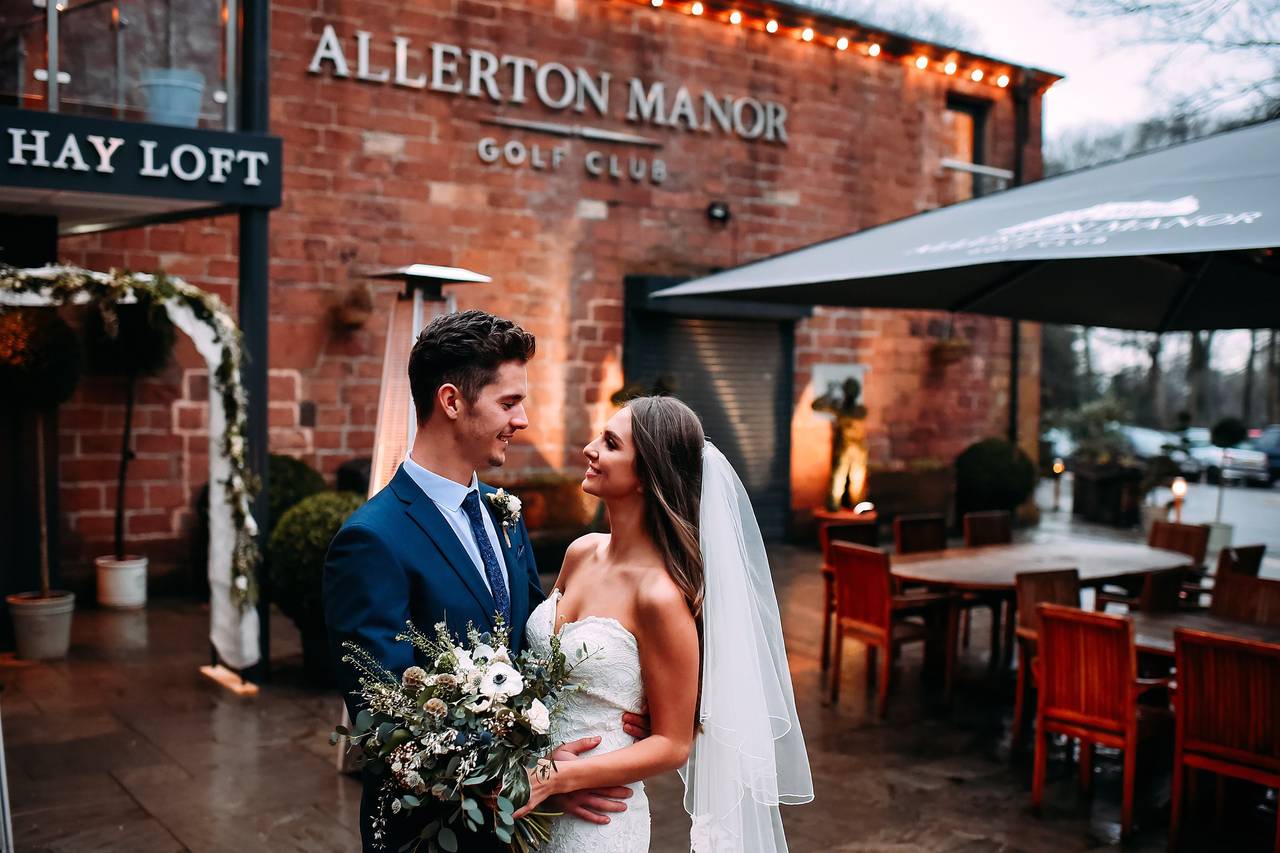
610,684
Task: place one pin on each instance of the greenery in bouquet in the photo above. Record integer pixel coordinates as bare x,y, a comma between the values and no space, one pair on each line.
458,736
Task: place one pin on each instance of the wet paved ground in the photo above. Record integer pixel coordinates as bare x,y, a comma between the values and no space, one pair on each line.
124,747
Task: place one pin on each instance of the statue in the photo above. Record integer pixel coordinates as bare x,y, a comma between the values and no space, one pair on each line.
849,443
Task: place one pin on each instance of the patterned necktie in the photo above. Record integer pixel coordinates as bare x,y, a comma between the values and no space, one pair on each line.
492,568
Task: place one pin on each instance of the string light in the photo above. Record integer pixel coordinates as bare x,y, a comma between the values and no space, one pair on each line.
1002,80
950,68
696,8
976,76
922,62
772,26
735,17
657,4
807,35
874,50
842,43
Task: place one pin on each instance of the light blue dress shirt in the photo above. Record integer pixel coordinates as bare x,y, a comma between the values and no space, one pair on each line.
448,497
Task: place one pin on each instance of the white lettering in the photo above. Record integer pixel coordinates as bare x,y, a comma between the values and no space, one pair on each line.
646,106
71,151
106,150
223,159
179,170
514,152
543,88
593,164
484,67
682,108
149,168
444,73
658,171
739,124
518,65
487,150
596,90
329,49
775,122
714,109
253,159
35,148
402,67
362,60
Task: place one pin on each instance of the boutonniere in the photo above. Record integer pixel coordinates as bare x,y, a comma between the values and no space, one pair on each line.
507,506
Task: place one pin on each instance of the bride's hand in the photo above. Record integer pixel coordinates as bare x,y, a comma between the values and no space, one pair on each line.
542,784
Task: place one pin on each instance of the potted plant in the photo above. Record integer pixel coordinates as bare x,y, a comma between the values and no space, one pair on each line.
129,341
993,474
847,485
174,95
295,564
1106,486
1226,434
39,368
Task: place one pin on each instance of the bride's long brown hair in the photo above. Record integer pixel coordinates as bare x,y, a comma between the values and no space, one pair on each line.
668,439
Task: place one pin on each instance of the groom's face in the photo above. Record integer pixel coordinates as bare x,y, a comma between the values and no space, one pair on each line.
487,426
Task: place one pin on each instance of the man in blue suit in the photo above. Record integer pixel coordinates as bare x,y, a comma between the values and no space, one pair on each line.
431,547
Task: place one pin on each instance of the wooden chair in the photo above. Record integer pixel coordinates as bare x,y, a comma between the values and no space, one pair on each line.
1032,589
915,533
1241,560
986,528
1227,704
1246,599
862,534
1161,593
1189,539
870,608
1087,670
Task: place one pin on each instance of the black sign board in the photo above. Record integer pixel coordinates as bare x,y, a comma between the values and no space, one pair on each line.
53,151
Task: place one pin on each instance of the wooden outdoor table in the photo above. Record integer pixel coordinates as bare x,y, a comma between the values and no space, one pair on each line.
994,569
1153,632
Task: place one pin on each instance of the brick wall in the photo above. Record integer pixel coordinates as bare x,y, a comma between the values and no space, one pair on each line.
378,175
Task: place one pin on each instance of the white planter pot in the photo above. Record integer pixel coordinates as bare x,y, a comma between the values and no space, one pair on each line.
1220,536
122,584
42,626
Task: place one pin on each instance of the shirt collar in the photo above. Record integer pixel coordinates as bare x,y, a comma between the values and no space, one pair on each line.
442,490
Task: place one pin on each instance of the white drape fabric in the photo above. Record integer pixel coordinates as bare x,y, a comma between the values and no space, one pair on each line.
749,756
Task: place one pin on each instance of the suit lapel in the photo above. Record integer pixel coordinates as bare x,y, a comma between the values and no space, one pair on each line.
428,517
517,587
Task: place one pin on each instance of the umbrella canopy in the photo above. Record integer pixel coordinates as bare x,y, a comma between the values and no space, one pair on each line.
1177,239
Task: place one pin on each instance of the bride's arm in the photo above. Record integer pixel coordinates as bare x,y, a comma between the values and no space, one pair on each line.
668,641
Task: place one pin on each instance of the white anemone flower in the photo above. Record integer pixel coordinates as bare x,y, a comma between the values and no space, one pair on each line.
484,651
501,680
539,717
500,655
465,664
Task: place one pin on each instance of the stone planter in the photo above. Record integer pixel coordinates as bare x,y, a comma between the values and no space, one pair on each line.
1109,494
122,584
42,626
173,95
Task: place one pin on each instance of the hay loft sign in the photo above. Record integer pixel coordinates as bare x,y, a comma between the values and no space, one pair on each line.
581,94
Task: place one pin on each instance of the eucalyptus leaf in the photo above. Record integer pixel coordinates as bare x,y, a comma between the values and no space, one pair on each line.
448,840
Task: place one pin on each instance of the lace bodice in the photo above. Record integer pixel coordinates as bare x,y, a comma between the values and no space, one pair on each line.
610,684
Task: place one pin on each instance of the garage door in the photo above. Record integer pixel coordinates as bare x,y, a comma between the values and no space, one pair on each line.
736,374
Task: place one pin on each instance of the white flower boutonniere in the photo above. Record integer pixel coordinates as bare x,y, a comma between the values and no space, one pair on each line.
507,506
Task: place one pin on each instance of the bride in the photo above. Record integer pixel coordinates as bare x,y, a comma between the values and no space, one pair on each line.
676,609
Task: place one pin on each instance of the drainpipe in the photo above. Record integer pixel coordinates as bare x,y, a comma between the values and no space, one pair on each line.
1022,92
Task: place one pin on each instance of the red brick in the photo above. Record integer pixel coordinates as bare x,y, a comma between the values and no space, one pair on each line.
142,523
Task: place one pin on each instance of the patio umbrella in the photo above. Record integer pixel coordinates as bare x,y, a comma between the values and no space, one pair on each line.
1178,239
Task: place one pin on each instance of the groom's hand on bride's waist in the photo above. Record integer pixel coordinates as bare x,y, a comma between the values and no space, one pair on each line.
593,805
637,725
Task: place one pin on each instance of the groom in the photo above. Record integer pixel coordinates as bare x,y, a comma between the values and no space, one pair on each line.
429,547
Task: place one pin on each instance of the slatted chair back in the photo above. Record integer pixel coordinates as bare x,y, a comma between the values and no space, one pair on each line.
1088,665
915,533
987,528
1035,588
862,534
864,585
1161,591
1189,539
1241,560
1246,599
1228,698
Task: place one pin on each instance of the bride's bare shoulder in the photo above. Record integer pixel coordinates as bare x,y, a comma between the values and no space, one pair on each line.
658,593
580,551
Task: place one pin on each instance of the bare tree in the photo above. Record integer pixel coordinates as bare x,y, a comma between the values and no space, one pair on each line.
1198,376
909,18
1273,378
1155,388
1246,410
1248,31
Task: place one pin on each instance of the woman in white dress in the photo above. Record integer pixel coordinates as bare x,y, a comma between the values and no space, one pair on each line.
676,612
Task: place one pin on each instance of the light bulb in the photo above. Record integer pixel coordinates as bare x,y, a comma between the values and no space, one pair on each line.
772,26
1179,488
807,34
1002,80
842,43
976,76
696,8
1059,466
865,506
922,62
950,68
874,50
657,4
735,17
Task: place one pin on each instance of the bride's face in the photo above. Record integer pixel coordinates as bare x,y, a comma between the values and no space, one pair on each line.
611,460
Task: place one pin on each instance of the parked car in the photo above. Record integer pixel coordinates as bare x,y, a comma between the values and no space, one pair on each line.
1241,464
1147,444
1269,443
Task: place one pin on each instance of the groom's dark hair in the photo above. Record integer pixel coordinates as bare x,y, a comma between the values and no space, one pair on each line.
463,349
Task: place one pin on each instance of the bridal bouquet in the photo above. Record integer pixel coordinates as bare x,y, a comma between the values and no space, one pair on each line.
458,735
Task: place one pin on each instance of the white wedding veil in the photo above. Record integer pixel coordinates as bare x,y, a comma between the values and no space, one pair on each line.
749,756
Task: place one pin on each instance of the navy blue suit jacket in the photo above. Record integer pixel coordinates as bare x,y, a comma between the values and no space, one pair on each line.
397,560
